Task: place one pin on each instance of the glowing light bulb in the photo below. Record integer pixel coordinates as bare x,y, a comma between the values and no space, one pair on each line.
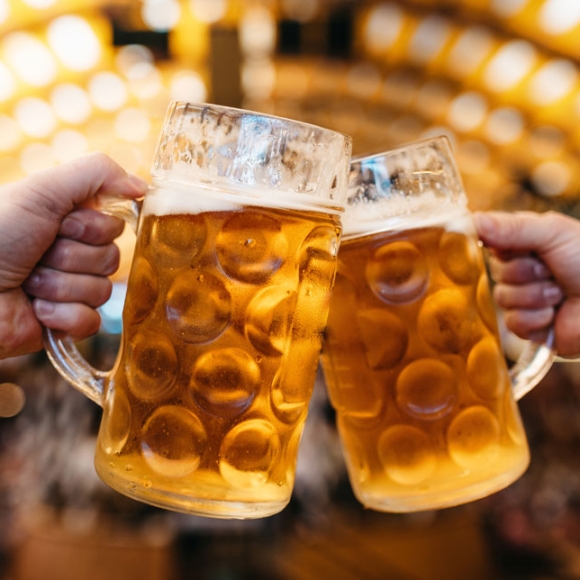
470,50
74,42
504,125
508,8
144,80
188,86
510,65
35,117
208,11
257,31
551,177
553,81
160,14
429,38
29,58
71,103
108,91
131,55
383,26
467,111
559,16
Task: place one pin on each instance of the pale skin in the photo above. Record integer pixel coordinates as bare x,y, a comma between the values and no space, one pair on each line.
57,252
535,262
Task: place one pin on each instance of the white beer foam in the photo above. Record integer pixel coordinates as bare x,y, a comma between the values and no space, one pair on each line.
181,198
365,218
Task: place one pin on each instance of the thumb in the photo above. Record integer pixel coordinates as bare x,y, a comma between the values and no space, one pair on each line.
64,187
515,231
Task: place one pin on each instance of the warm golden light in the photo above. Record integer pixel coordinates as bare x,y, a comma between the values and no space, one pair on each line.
187,86
512,62
257,31
467,111
504,125
559,16
108,91
74,42
29,58
508,8
10,134
470,50
7,83
160,15
4,10
132,125
383,27
429,38
35,157
71,103
68,144
551,177
553,81
208,11
35,117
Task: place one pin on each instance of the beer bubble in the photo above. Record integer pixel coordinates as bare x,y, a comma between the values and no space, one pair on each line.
117,422
406,454
269,319
459,257
178,238
473,437
251,246
224,382
318,254
427,389
139,304
289,412
397,272
173,441
151,365
485,305
248,453
486,369
384,336
446,321
198,307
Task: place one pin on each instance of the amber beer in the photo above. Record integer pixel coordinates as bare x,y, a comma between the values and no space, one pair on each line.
426,407
223,323
416,371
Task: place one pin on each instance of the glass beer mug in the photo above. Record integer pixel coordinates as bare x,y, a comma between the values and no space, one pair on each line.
412,357
227,300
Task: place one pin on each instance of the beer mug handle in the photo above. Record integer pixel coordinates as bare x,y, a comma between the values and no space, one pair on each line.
60,347
534,362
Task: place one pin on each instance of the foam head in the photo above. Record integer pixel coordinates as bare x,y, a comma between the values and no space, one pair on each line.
417,183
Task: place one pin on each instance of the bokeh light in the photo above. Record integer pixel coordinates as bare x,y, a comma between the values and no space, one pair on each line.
35,117
29,58
74,42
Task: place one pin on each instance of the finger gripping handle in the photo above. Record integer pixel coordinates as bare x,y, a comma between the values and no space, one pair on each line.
60,347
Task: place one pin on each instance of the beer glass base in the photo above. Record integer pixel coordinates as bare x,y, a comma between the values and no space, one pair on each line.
424,501
200,506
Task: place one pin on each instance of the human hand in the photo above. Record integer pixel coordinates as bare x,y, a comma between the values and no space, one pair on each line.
56,251
535,263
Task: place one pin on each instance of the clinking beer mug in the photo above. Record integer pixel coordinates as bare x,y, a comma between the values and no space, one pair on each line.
226,305
412,357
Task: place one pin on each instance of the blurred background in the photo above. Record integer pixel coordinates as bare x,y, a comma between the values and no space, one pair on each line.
499,77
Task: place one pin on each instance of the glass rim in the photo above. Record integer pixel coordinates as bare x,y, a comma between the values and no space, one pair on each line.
201,106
